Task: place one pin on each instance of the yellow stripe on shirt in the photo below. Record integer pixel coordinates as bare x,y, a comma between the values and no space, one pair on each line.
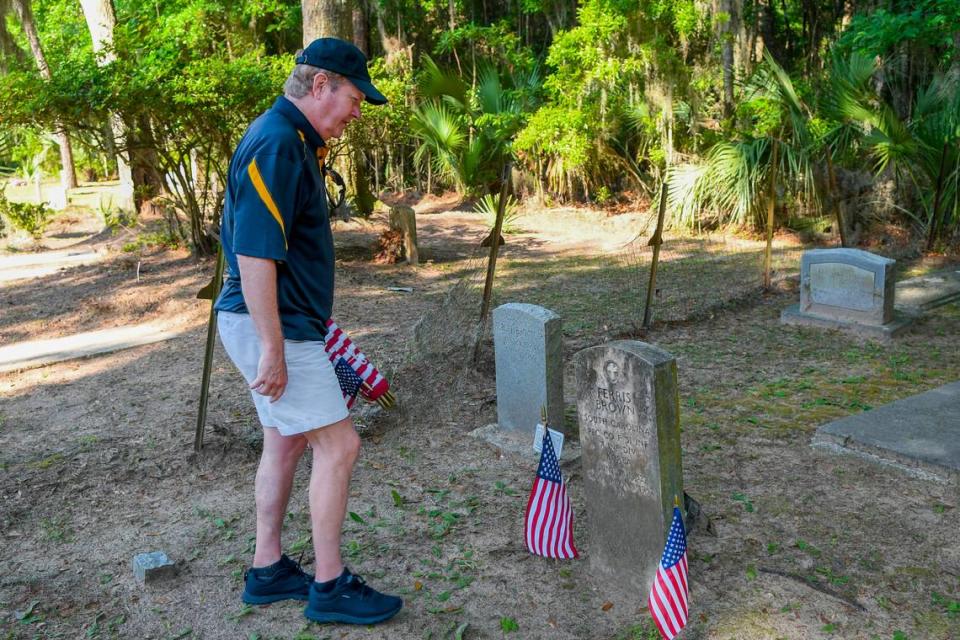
261,188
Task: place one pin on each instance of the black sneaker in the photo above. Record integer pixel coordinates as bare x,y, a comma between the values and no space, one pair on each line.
283,580
350,600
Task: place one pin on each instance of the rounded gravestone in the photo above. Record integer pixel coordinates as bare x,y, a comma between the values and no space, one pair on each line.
629,412
528,349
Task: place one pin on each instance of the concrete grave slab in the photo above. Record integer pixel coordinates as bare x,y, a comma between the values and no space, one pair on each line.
919,295
521,444
919,434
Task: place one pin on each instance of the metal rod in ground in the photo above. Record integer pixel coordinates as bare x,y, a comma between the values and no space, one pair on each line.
492,262
655,241
214,291
771,208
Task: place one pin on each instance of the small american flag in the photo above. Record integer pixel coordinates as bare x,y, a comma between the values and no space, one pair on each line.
548,525
350,382
373,386
669,595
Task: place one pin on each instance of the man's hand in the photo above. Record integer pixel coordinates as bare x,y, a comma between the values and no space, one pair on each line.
271,374
258,278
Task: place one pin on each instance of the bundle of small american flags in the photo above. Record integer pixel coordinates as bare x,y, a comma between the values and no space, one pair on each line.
356,374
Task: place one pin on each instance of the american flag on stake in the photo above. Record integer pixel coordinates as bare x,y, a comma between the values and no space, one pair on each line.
548,525
669,596
344,353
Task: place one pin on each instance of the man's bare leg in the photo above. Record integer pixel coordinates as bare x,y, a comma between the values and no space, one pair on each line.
335,450
278,463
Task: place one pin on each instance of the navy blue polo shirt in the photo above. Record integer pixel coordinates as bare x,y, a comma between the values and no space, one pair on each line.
276,208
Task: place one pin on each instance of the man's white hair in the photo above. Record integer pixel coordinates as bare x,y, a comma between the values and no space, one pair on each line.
300,81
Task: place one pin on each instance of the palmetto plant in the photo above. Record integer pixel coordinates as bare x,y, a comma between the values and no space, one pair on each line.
487,206
442,135
926,149
923,149
464,132
739,179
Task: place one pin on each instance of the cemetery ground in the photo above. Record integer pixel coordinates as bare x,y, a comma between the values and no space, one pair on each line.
97,464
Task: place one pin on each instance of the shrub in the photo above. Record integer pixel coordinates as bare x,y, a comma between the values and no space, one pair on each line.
31,218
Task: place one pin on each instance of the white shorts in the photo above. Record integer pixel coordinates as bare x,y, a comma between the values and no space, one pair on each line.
312,399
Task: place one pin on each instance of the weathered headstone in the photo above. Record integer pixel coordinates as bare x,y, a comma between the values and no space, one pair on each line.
847,289
528,349
629,411
404,220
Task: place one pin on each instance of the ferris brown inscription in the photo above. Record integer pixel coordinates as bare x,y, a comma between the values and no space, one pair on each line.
626,402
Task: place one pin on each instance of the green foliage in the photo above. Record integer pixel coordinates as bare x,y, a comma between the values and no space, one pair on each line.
180,86
487,206
589,99
153,239
508,625
26,216
465,132
928,23
732,184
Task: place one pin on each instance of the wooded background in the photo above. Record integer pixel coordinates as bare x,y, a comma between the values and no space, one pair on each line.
823,113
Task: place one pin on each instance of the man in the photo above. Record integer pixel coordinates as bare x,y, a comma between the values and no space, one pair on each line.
272,319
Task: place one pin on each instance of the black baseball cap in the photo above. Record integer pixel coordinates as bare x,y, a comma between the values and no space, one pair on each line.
344,58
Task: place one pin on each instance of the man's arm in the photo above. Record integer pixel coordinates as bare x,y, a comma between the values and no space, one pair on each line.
258,280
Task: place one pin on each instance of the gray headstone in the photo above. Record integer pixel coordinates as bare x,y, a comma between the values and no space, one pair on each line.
847,284
629,410
528,348
150,567
847,289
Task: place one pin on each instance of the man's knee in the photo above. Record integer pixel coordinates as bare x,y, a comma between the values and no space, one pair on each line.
283,449
336,444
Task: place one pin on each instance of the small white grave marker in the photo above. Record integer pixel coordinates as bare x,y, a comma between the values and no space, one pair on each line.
555,436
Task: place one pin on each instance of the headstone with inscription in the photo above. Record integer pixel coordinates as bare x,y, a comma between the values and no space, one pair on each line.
629,411
848,289
528,349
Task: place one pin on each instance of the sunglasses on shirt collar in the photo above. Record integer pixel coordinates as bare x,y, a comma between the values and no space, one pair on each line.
328,172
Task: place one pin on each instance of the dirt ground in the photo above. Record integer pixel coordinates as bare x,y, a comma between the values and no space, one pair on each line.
97,464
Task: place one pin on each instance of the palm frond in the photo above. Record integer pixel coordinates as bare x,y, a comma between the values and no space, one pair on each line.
490,91
891,141
435,83
441,135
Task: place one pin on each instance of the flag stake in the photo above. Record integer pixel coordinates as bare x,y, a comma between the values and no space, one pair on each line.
213,289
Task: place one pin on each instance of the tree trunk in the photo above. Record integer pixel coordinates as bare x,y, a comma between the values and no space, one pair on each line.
934,231
101,21
8,46
325,19
726,43
68,175
768,32
361,35
336,18
835,201
741,51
